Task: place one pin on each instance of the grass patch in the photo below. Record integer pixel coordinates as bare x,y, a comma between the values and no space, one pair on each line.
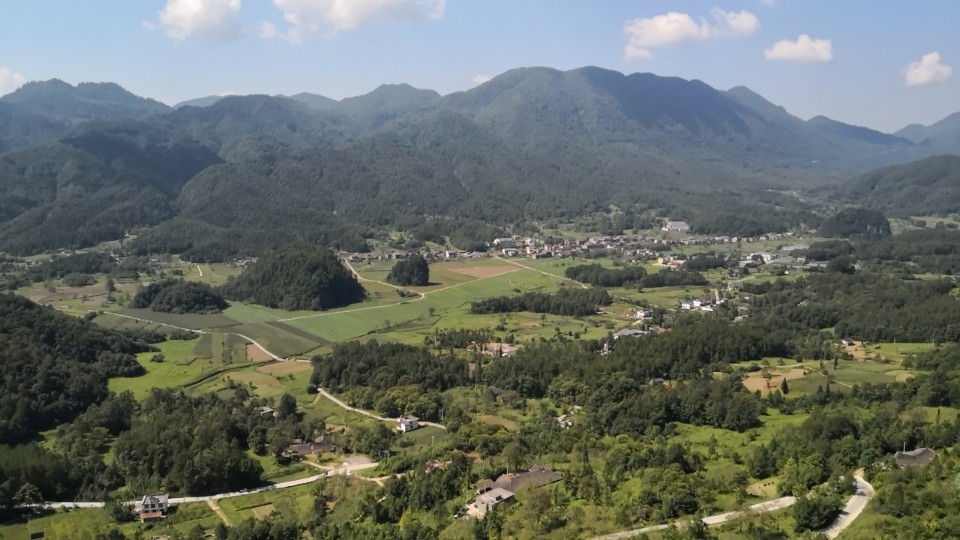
174,371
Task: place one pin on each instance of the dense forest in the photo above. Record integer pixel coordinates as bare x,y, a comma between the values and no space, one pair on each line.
179,296
863,306
597,275
297,277
856,223
56,366
573,302
413,271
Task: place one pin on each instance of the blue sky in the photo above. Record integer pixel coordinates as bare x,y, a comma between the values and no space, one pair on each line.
878,63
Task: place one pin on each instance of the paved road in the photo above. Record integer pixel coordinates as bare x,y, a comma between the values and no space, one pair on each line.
854,507
341,404
348,470
759,508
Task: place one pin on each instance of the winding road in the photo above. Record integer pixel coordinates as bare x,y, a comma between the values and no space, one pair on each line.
854,507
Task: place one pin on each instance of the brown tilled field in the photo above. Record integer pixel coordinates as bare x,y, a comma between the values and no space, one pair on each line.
485,271
256,354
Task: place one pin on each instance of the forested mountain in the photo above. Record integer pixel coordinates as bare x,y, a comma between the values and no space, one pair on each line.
69,104
925,187
94,184
248,172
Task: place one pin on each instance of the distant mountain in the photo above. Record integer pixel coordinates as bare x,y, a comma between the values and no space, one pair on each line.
248,172
941,137
59,101
247,126
645,113
205,101
314,101
926,187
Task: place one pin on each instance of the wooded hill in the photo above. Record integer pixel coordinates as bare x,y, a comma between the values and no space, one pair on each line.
297,277
55,366
927,187
249,172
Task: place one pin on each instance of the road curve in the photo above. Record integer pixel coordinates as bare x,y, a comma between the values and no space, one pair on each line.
853,508
343,405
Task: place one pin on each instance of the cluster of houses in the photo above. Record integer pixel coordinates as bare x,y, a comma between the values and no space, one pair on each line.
490,493
642,247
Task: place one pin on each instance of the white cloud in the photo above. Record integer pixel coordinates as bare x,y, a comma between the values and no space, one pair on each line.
480,79
307,17
10,80
674,27
928,70
730,23
213,20
268,30
804,49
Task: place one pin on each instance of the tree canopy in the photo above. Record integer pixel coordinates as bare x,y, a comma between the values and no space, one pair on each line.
297,277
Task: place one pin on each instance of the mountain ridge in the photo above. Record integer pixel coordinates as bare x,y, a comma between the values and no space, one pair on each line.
531,144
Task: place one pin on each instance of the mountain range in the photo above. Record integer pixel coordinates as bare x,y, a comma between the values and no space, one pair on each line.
224,176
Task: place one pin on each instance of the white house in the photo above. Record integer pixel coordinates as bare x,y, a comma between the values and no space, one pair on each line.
679,226
152,507
407,423
504,242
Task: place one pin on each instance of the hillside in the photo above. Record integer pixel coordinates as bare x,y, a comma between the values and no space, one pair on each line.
925,187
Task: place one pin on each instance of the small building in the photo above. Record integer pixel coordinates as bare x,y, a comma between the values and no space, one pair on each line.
504,242
152,507
319,445
407,423
920,457
847,342
629,332
678,226
485,502
265,412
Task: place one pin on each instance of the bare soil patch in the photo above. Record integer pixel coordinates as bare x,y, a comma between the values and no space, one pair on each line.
533,324
256,354
284,368
258,379
484,271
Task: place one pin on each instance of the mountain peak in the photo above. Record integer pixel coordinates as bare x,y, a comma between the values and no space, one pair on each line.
62,101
